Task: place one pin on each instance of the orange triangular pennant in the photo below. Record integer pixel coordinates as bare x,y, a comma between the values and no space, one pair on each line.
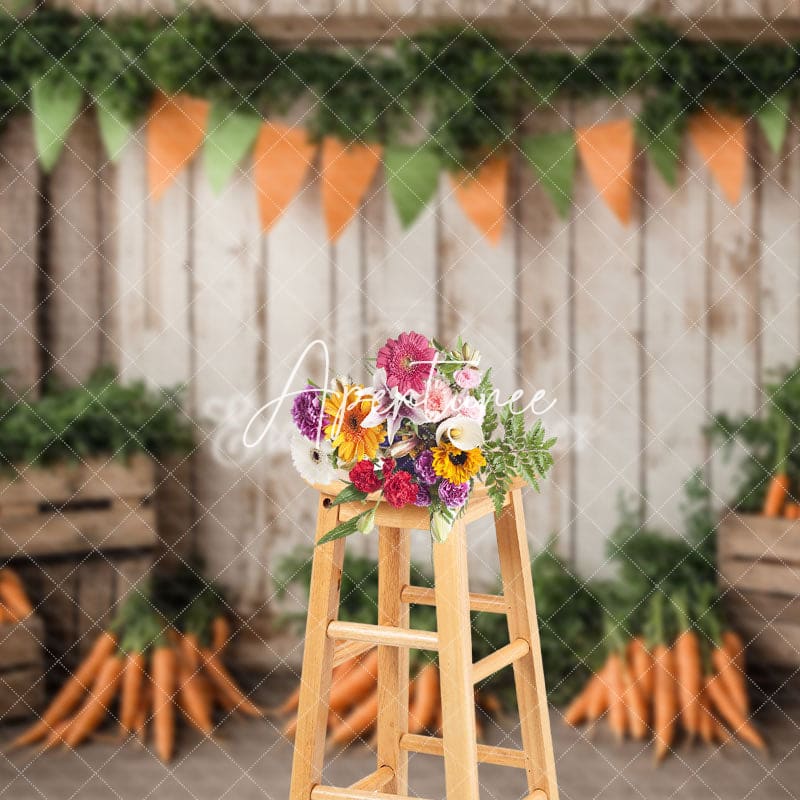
482,196
175,131
607,150
720,140
281,158
347,171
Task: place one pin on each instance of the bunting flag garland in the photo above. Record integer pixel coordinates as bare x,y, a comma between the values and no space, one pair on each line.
229,139
773,119
482,196
175,131
607,151
720,139
56,99
412,175
553,158
347,171
281,158
114,130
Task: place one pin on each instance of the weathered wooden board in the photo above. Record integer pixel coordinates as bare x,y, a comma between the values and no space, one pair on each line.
22,692
752,537
19,211
674,380
21,644
607,362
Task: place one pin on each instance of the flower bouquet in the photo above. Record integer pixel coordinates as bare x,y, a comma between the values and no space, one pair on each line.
424,433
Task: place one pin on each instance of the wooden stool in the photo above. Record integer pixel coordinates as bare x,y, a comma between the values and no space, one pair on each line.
330,642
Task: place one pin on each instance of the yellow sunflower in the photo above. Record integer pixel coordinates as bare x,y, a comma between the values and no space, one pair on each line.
347,409
457,466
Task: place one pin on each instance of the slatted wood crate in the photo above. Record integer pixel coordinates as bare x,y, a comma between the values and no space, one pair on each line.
759,564
80,536
22,669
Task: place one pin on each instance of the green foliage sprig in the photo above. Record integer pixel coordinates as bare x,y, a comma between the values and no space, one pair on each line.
102,417
771,440
467,87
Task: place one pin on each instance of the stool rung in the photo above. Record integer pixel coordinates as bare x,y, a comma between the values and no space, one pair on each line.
344,651
487,753
383,634
334,793
494,662
422,596
536,794
375,781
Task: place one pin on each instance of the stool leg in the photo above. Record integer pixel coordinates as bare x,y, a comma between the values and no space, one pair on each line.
315,681
512,545
455,664
394,557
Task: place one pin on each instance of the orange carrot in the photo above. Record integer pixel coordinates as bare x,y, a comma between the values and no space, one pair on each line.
705,722
718,693
357,684
163,669
732,679
71,692
776,495
358,721
14,595
636,706
142,713
665,701
577,710
220,633
132,682
223,681
598,699
56,735
491,704
426,698
792,511
642,672
194,697
617,715
97,704
688,671
190,650
733,643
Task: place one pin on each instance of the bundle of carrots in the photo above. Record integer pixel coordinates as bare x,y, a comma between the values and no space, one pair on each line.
777,501
649,687
353,703
14,603
138,673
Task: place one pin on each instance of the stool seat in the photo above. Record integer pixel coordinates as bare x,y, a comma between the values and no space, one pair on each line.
330,642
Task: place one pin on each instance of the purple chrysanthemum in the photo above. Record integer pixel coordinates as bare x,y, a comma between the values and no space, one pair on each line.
307,411
423,466
453,495
423,497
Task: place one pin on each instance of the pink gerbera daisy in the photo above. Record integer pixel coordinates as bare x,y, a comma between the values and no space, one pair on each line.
408,361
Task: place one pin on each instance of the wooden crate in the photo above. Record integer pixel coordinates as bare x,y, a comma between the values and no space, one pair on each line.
759,564
22,669
80,536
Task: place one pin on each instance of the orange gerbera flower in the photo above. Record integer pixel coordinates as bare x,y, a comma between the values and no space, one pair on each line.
347,409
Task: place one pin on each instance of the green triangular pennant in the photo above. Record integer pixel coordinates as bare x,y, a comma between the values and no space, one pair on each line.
412,175
56,99
114,129
230,137
664,149
553,157
774,121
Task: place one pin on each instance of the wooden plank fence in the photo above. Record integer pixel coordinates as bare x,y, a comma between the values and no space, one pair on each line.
638,332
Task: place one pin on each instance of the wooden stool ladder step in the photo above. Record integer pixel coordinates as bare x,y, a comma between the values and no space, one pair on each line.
330,642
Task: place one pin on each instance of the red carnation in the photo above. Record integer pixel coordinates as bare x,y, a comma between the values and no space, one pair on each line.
399,489
364,478
387,467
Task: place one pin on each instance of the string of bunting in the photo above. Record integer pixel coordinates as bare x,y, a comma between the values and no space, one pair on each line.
205,85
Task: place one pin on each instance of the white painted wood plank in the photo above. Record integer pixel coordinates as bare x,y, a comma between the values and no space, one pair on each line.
545,355
478,301
733,321
19,214
675,338
607,361
780,256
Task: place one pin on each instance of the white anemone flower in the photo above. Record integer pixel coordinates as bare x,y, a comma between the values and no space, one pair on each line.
312,462
462,432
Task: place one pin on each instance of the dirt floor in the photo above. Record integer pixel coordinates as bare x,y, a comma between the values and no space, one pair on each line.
250,759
